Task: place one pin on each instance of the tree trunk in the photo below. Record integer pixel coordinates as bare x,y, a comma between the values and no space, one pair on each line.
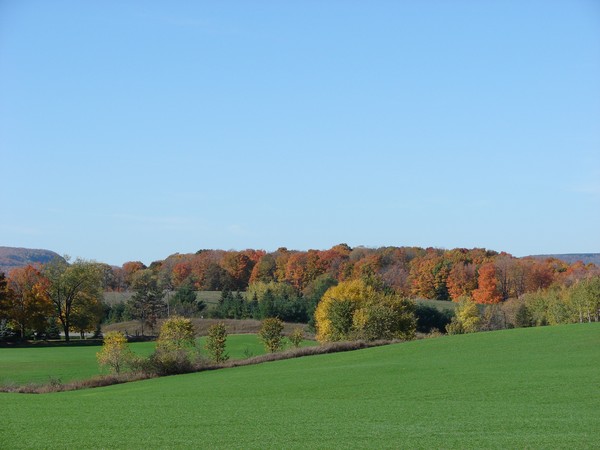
66,330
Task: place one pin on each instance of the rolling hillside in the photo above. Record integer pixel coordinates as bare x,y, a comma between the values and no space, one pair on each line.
13,257
522,388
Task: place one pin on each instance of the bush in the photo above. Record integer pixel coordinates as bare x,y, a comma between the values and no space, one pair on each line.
270,334
391,317
176,347
355,309
335,311
296,337
216,342
171,363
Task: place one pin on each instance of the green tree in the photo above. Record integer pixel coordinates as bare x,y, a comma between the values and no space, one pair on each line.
216,342
70,286
271,334
146,305
313,294
184,301
87,315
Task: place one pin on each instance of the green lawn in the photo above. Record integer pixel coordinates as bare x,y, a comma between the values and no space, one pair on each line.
39,364
525,388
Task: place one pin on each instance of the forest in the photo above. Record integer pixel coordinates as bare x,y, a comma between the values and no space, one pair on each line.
64,297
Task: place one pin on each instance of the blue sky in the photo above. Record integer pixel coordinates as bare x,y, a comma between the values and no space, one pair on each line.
131,130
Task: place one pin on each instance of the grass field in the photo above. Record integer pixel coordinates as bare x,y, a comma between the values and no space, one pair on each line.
523,388
41,364
439,304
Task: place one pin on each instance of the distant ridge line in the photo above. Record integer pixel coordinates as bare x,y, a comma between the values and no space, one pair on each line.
571,258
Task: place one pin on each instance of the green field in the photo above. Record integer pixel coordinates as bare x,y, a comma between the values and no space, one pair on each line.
523,388
40,364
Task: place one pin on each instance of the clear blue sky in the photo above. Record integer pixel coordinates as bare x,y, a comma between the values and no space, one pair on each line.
130,130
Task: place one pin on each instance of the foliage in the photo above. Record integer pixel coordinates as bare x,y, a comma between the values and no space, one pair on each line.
70,286
26,303
176,333
115,352
487,290
87,314
146,304
6,332
296,337
355,309
466,318
271,334
184,302
334,314
216,342
492,318
233,306
390,317
175,348
430,318
313,294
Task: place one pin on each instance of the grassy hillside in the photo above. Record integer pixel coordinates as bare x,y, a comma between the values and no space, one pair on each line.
40,364
524,388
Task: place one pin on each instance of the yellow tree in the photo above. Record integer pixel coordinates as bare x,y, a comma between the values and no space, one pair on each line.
115,352
335,312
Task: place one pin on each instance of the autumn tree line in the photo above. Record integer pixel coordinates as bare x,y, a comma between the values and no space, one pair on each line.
290,285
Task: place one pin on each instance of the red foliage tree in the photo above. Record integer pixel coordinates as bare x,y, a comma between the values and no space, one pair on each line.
487,290
462,280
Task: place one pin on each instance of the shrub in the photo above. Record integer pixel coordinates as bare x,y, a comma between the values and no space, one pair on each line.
355,309
296,337
176,347
216,342
270,334
115,352
334,314
391,317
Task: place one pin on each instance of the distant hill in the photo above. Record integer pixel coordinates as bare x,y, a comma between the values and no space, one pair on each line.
12,257
570,258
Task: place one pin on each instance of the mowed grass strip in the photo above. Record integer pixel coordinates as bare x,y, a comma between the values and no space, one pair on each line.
65,363
525,388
